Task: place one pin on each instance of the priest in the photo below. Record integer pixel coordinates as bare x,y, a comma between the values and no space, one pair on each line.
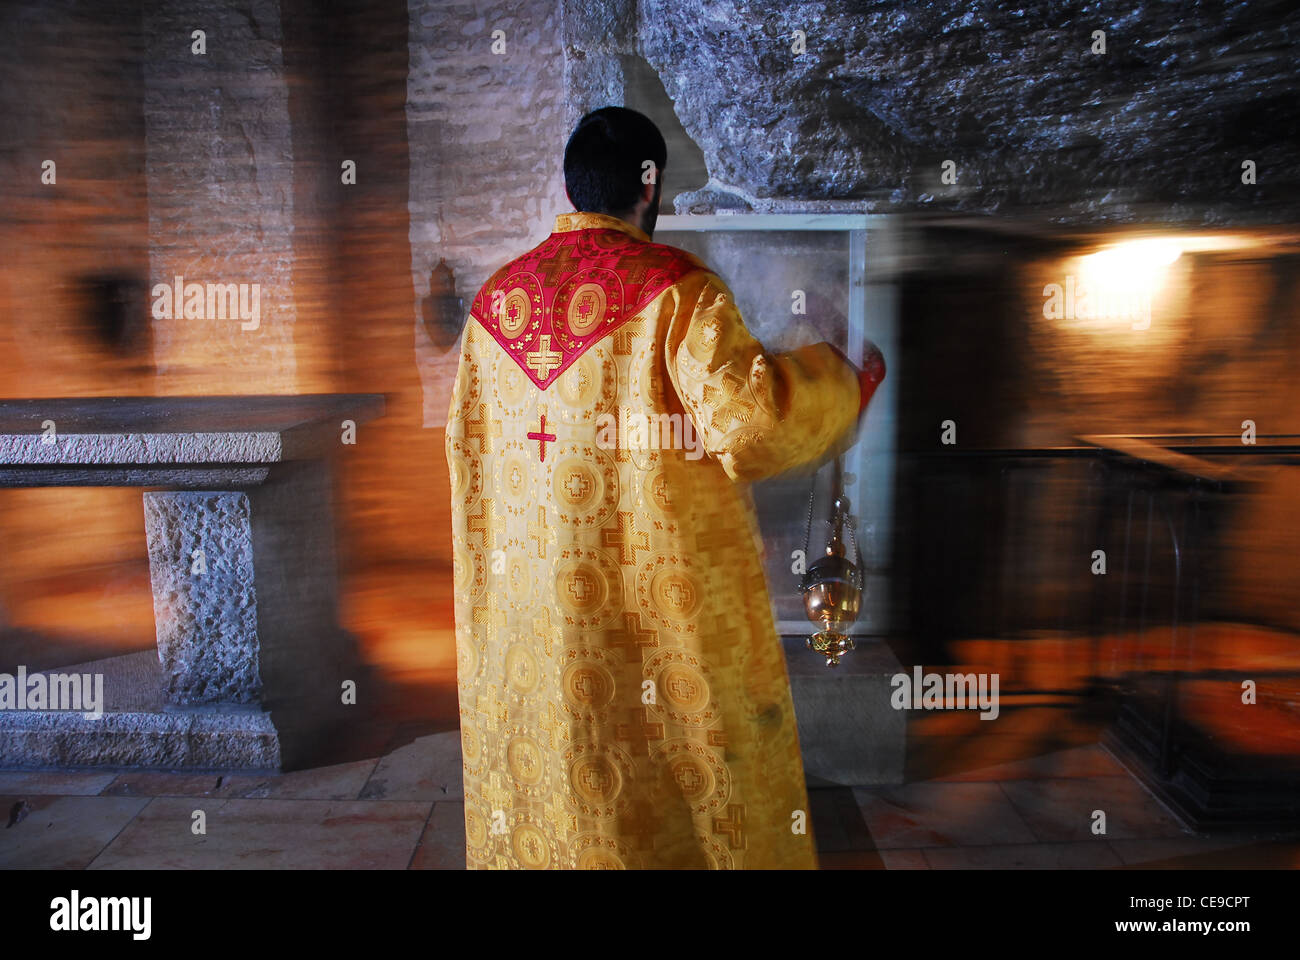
624,702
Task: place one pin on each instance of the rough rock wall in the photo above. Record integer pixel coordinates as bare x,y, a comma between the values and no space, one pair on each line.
1036,122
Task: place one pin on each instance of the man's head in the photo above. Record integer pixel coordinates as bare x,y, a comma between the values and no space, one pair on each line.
614,164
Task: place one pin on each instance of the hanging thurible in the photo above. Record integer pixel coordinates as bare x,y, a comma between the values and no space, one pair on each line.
832,585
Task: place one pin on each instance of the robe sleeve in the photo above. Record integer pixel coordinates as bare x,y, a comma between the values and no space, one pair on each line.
757,413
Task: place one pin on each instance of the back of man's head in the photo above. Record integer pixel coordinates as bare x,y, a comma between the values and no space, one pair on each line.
605,160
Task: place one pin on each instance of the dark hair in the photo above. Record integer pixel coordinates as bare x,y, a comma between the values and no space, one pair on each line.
604,157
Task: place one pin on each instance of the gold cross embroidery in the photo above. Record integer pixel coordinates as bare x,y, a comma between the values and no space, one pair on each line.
624,336
484,523
482,429
645,264
733,825
541,532
634,637
543,360
627,538
554,267
728,404
548,631
552,726
491,615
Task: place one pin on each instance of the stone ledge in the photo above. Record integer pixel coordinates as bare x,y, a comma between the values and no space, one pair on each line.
174,431
179,740
139,729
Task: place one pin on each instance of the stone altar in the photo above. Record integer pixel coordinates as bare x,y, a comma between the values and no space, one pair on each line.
250,658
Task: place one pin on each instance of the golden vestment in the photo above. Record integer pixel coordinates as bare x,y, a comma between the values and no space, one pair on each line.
624,700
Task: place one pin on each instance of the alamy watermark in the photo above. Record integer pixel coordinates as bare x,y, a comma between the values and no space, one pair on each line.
208,301
1086,301
1117,283
647,431
945,691
77,692
75,913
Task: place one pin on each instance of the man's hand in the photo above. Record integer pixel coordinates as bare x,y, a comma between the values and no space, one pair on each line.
870,374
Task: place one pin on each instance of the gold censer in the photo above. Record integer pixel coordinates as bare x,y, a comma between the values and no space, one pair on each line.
832,585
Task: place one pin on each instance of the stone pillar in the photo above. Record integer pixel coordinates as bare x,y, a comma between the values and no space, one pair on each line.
204,596
246,598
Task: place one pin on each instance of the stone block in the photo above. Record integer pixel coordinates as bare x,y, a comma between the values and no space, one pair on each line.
848,732
204,597
138,727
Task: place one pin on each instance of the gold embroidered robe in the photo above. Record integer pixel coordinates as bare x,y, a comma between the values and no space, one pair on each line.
624,701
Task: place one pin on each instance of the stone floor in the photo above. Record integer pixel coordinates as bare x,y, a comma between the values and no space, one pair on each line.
1018,792
1023,798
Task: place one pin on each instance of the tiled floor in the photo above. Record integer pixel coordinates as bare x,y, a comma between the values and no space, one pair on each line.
390,813
404,811
1017,793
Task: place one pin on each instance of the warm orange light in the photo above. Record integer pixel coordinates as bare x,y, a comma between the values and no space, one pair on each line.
1121,283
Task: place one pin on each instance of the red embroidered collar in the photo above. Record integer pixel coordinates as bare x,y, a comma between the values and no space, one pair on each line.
593,274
